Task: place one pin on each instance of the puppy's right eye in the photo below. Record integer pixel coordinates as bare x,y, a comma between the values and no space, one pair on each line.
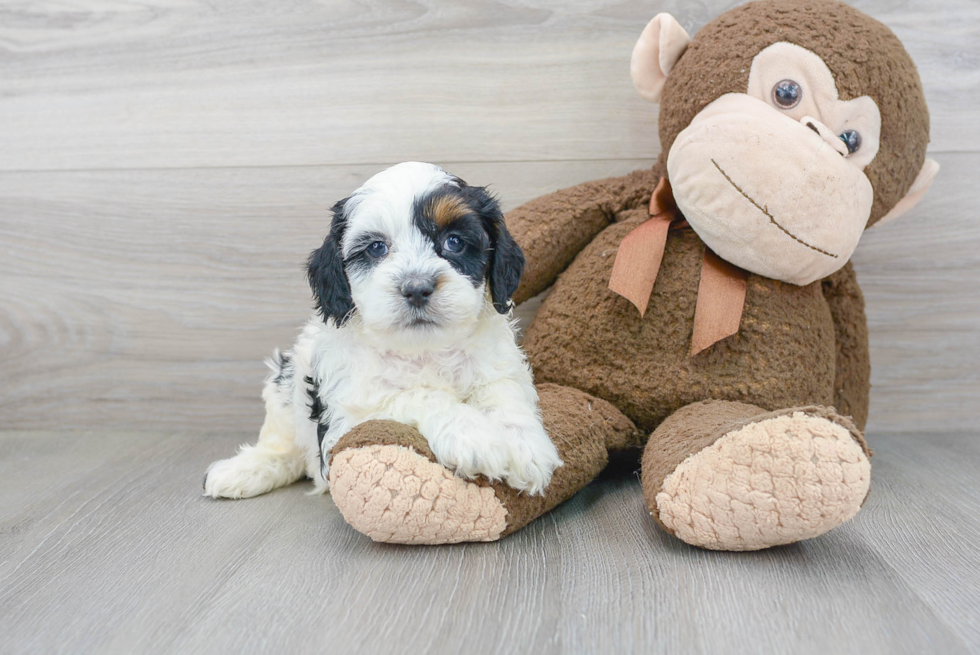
453,244
378,249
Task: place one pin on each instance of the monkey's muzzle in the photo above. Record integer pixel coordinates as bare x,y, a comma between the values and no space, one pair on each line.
766,192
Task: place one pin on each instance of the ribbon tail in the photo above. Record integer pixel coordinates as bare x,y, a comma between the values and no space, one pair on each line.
638,260
721,298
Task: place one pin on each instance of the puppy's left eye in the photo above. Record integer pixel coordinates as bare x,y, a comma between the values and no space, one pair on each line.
452,244
378,249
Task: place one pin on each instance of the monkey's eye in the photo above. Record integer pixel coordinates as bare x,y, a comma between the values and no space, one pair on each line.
452,244
787,94
378,249
851,139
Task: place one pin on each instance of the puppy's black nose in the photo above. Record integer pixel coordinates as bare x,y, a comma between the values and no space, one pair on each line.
417,292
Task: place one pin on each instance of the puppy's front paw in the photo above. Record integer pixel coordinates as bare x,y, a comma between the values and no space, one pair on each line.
523,459
472,450
531,466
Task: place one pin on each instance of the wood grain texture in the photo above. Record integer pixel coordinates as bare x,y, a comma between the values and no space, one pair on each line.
919,277
149,298
157,83
165,166
107,546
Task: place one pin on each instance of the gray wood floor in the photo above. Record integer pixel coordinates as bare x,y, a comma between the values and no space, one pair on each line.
108,547
165,166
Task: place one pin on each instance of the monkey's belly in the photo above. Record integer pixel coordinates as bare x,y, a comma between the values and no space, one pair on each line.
587,337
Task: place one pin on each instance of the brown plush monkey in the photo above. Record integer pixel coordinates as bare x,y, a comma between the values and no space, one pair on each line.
704,311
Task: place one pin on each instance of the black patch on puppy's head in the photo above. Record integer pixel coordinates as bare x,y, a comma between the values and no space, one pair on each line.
325,271
489,253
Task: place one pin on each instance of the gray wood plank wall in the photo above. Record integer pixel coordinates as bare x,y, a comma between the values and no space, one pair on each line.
165,167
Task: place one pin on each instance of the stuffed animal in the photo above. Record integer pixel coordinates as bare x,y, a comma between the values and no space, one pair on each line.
705,311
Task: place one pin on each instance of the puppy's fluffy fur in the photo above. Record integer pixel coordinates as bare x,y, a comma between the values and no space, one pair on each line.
413,287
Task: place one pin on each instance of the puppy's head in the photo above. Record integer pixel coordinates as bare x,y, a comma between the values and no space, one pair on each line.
415,252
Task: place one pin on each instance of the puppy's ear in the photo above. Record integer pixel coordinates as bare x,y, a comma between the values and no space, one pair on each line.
325,270
506,259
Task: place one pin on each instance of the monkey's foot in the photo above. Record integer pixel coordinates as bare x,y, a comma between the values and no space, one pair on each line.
781,479
389,486
394,494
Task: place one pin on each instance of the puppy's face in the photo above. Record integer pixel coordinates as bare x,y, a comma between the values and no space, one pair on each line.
415,252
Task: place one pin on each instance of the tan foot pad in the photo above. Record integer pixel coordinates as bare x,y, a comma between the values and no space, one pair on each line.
392,494
773,482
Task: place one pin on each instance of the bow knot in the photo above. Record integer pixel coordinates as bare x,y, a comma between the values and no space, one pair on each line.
721,291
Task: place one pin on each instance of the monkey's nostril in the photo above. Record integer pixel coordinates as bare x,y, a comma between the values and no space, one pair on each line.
825,133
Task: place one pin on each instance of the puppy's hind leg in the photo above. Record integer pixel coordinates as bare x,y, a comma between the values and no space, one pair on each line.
276,460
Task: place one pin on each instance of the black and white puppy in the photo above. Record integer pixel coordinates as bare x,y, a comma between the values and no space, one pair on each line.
413,286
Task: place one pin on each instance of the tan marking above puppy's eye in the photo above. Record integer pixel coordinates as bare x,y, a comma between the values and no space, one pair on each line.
787,94
446,209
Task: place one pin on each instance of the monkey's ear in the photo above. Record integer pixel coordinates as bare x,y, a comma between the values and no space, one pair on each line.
661,44
325,270
918,189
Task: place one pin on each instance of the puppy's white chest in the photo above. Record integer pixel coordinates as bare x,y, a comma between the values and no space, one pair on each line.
396,374
398,387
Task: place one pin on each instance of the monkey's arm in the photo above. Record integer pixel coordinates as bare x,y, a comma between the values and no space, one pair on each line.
552,229
852,383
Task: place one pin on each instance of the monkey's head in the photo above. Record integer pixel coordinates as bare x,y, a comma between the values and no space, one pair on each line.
789,126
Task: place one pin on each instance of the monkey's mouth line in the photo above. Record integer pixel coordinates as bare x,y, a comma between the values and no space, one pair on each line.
770,216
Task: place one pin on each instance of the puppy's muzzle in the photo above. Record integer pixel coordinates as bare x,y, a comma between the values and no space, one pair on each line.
417,291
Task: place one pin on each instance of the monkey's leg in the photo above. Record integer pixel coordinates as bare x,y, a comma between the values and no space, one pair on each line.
731,476
389,486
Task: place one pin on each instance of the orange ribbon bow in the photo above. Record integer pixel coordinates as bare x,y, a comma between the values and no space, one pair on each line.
721,291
